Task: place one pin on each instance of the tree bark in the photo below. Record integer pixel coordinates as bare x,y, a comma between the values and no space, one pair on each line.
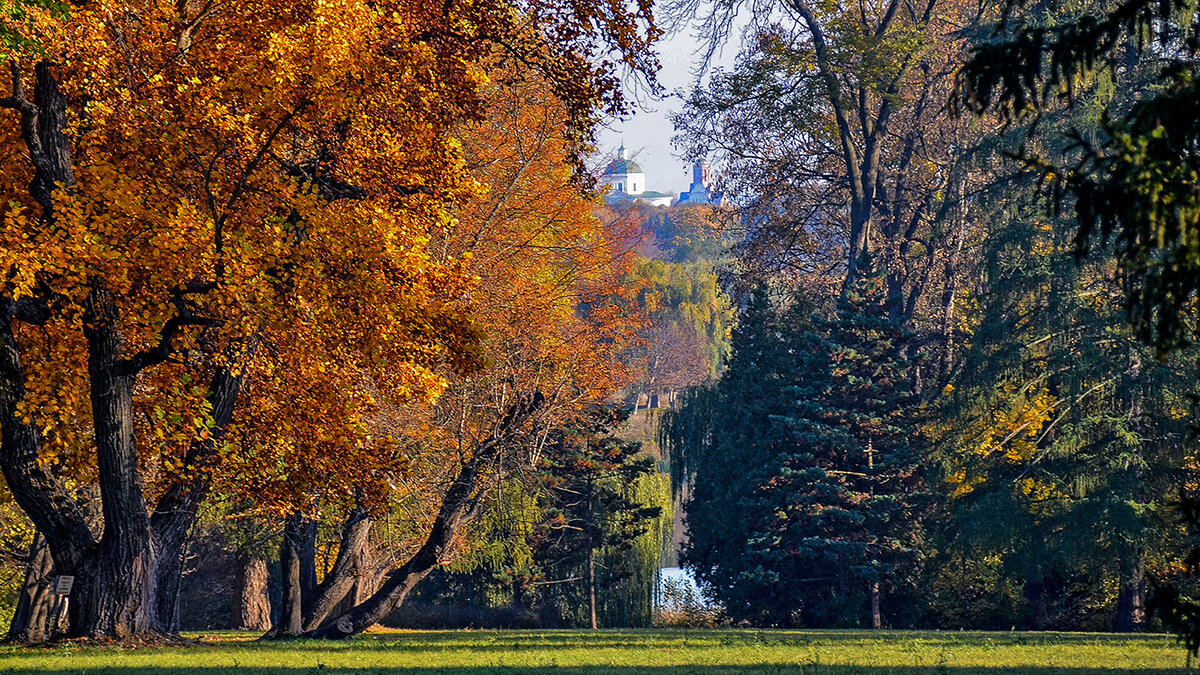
459,505
291,617
127,582
591,587
876,618
39,493
308,559
32,621
401,581
251,604
1131,600
518,601
1035,594
347,570
115,590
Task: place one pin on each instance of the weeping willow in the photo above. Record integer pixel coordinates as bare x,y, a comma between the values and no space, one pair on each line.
685,433
629,600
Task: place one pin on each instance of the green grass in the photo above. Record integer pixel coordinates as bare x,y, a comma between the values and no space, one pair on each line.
623,652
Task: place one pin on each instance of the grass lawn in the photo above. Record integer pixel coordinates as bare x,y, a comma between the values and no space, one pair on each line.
623,652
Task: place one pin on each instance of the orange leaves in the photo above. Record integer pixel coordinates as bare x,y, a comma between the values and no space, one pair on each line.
290,159
546,264
287,184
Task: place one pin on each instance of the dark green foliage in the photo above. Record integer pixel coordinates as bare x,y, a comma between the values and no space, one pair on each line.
726,440
805,454
594,509
854,494
1140,190
1068,426
1132,178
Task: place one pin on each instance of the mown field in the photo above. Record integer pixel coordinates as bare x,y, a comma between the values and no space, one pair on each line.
623,652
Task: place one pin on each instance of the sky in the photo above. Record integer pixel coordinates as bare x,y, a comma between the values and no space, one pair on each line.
648,132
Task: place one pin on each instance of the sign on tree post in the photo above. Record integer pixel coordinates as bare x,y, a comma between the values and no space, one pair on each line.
64,584
62,590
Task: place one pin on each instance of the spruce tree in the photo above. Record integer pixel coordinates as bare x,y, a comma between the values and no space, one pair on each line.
805,484
851,476
724,440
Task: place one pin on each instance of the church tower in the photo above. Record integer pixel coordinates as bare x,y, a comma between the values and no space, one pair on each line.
701,190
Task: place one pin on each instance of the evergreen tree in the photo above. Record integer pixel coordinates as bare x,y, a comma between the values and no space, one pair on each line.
850,476
1065,437
594,522
723,442
805,495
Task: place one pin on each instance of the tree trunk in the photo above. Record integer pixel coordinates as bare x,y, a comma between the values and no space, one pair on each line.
308,559
367,577
876,619
1035,594
460,504
518,602
348,569
121,589
1131,600
291,612
591,586
39,493
31,623
251,604
115,589
400,582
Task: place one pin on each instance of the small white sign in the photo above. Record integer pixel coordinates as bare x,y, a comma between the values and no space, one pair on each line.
64,585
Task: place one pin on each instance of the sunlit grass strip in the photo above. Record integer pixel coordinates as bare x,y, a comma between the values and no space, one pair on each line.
630,651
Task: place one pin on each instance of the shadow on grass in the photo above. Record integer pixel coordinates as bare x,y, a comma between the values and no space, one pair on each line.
765,668
505,641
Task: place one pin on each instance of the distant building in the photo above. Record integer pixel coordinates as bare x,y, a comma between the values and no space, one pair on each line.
701,190
624,175
627,183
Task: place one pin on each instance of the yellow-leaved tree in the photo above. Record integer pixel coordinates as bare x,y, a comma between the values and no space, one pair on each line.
197,195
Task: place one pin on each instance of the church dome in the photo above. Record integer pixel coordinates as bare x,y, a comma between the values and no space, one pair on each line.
622,166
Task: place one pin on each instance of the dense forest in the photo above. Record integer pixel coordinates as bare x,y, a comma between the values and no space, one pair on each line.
314,317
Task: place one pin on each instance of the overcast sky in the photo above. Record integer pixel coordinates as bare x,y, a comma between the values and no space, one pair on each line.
648,133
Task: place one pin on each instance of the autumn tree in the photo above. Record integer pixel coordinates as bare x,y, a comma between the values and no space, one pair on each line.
193,188
686,337
552,307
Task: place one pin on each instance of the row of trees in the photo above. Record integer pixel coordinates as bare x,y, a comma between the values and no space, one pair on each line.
947,417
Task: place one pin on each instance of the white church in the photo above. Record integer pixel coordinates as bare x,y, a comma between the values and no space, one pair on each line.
627,184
